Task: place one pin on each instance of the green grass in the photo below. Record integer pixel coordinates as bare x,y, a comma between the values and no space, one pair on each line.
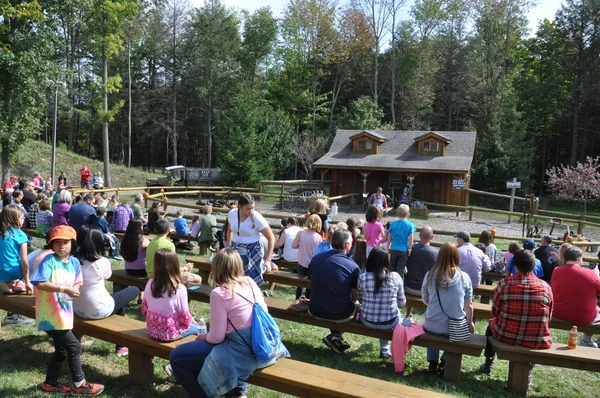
37,156
26,353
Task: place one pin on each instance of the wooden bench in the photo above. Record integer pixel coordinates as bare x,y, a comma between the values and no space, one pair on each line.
279,309
582,358
287,375
493,276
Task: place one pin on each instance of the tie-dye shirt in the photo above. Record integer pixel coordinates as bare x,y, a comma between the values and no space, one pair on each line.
53,310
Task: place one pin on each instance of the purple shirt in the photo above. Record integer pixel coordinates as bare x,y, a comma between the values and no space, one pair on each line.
121,218
472,262
61,214
140,261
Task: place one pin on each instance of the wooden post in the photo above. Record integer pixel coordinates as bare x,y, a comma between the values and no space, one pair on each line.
512,201
518,378
141,367
528,221
470,214
281,197
580,224
452,368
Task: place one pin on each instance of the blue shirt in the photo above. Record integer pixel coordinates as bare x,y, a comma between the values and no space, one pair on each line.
400,231
333,275
103,224
537,270
80,214
181,226
10,255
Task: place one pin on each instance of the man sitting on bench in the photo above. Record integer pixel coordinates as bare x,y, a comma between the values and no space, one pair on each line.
334,280
522,309
575,290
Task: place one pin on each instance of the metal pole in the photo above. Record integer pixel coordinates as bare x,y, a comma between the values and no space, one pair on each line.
54,127
512,201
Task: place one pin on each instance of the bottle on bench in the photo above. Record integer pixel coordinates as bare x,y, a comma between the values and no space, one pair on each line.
573,337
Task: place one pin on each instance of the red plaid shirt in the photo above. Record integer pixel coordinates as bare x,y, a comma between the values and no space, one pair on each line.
522,308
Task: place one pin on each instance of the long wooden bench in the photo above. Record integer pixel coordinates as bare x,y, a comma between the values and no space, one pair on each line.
287,375
292,279
582,358
493,276
279,309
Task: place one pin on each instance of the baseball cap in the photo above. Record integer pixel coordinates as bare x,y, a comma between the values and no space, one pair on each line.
379,189
63,232
464,235
529,244
14,177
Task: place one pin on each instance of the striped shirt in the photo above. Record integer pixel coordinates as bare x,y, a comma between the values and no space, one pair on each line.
522,310
383,305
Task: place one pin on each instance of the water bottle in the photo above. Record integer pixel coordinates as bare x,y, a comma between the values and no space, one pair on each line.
406,321
573,337
202,329
334,209
212,257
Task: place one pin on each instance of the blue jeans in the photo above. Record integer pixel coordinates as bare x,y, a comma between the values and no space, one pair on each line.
187,361
383,344
432,353
192,330
302,271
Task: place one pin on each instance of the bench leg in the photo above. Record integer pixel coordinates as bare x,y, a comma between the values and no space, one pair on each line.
117,287
205,276
141,367
452,367
518,378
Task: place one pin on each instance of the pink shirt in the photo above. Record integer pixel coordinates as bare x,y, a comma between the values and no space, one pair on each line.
373,233
308,240
166,317
224,306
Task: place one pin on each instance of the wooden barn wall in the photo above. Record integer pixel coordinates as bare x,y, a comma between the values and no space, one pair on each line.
429,187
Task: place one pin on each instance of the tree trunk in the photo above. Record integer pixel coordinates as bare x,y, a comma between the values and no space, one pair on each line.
105,138
376,73
393,88
209,133
130,105
5,163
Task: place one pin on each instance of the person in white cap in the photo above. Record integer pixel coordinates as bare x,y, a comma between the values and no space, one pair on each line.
378,199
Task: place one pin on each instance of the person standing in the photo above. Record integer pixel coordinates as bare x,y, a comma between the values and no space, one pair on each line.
400,240
85,176
378,199
472,260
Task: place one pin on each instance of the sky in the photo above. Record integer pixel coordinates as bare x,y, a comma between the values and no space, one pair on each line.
545,8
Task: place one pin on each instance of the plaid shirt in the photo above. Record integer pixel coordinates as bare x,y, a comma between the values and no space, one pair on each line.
383,306
121,218
522,308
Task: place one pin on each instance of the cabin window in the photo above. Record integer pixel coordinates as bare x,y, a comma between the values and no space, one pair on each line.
365,145
431,146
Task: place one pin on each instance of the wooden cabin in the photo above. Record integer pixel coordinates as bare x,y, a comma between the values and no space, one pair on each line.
438,163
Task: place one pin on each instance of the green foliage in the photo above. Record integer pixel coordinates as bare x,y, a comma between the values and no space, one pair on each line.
362,114
257,143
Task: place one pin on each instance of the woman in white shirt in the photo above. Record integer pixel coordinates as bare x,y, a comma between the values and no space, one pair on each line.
94,301
243,234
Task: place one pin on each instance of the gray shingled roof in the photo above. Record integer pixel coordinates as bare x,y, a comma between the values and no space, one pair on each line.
399,151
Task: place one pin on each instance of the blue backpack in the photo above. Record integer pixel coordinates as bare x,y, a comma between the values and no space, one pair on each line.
266,336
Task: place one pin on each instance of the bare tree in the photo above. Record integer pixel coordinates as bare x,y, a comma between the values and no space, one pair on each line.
393,7
306,149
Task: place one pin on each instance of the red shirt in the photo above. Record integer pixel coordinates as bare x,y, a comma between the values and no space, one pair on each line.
575,290
522,308
85,175
9,185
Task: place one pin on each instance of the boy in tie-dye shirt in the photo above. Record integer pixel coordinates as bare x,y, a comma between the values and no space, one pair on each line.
58,279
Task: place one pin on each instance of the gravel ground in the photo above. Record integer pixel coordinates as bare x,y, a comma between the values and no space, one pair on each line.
443,221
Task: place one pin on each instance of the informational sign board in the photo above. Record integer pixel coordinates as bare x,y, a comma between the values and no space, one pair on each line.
513,184
458,184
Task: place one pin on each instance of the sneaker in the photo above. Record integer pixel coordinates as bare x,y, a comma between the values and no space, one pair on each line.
8,288
16,320
87,389
486,368
58,389
385,355
19,287
169,371
590,343
336,343
267,293
122,351
85,342
118,257
441,367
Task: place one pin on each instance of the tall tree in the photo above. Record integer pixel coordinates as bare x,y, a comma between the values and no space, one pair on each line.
25,67
393,7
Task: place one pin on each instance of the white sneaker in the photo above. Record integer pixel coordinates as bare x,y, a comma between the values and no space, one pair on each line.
590,343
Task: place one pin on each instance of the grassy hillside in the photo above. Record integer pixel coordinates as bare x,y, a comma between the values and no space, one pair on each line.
37,156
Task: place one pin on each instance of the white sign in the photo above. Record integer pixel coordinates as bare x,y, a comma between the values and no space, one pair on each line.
458,184
513,184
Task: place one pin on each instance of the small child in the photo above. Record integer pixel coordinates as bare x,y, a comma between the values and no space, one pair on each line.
100,220
43,219
180,224
400,240
195,226
360,254
306,242
165,303
374,232
58,279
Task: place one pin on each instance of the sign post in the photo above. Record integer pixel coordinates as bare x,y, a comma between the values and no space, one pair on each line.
512,185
